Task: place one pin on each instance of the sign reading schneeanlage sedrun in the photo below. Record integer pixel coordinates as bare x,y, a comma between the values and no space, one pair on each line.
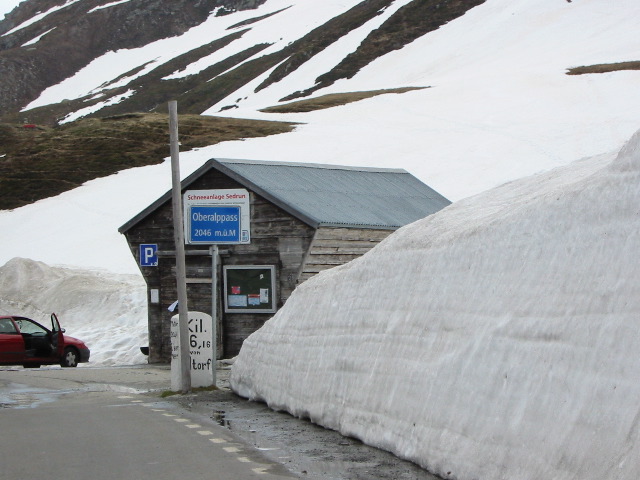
216,216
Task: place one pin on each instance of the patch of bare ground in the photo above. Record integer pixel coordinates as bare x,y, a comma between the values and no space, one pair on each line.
333,100
37,161
604,68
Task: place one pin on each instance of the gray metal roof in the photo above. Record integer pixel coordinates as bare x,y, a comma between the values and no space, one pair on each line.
330,195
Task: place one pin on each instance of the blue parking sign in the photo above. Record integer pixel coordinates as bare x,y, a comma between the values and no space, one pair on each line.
148,255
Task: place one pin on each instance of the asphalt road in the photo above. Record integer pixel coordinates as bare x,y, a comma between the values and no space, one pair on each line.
111,423
55,426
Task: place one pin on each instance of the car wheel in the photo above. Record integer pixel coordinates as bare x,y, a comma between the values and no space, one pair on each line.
70,358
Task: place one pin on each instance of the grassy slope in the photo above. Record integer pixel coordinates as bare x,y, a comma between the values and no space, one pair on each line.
604,68
39,162
332,100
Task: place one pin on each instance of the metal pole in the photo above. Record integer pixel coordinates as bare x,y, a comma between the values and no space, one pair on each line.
178,235
214,307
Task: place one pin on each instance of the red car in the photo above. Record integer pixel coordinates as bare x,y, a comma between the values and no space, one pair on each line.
27,343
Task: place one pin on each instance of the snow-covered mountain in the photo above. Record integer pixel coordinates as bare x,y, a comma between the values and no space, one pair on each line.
232,43
499,106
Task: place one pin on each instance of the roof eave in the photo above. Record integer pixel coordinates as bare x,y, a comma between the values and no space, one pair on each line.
300,215
222,168
165,197
358,225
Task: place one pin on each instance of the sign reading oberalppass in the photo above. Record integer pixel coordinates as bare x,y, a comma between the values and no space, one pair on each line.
217,216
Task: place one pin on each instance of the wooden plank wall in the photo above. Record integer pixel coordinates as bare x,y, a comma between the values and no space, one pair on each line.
277,238
332,246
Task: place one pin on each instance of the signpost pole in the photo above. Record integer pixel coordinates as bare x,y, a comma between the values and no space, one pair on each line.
178,235
215,217
214,306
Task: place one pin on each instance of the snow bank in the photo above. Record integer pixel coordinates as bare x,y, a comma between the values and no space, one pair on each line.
497,339
106,311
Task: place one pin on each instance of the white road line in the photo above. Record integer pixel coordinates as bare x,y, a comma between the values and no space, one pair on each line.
230,449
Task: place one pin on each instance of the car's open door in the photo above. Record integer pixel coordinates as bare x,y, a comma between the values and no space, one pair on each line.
57,337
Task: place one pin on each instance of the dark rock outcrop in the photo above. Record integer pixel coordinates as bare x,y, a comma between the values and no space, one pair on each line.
74,35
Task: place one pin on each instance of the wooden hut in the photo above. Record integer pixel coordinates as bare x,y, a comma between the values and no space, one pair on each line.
304,218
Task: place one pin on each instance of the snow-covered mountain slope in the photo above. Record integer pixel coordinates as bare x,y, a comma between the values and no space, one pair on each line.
232,42
500,105
496,339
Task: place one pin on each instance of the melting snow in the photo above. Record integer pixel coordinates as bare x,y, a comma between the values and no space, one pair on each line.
496,339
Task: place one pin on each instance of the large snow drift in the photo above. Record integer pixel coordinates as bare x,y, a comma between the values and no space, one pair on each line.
106,311
497,339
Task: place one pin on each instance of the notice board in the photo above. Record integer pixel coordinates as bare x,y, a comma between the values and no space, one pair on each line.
249,288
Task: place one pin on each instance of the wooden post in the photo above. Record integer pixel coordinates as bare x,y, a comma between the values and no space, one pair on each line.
178,235
214,307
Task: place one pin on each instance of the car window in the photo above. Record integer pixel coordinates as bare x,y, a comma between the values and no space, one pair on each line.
6,326
29,326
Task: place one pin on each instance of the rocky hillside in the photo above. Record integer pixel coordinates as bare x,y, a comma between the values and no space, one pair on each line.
215,54
72,34
76,32
43,42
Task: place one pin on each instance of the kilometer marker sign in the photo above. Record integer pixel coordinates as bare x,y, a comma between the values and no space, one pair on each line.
216,216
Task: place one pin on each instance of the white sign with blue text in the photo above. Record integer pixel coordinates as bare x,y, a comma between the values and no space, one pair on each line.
217,217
